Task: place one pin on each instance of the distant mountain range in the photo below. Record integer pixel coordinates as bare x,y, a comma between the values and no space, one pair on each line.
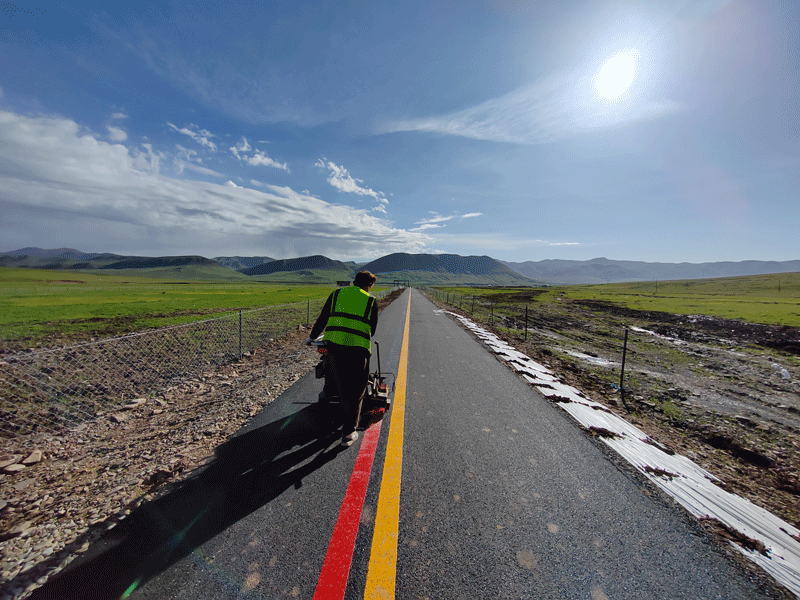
603,270
305,263
445,269
419,269
238,263
67,253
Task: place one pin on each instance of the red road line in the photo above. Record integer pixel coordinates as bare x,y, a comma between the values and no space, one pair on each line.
336,568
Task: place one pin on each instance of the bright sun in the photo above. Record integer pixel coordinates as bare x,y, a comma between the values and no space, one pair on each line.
617,74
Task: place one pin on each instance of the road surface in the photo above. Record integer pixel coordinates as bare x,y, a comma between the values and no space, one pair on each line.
488,492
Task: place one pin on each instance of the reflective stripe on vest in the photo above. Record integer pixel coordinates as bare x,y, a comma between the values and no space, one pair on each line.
348,324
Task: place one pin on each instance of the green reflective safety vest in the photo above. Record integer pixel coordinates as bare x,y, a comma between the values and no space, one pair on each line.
348,324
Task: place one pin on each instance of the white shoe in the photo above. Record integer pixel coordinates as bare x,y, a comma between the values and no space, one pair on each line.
350,439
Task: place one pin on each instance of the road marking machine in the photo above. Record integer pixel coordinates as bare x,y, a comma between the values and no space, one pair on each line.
376,398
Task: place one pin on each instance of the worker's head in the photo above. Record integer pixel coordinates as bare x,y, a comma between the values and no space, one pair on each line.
365,280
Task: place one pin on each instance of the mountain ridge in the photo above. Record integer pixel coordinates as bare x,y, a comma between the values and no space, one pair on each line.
303,263
237,263
433,269
604,270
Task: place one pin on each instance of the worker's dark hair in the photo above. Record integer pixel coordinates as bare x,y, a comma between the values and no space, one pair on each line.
364,279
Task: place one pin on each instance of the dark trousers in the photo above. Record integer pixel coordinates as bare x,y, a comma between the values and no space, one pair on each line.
349,371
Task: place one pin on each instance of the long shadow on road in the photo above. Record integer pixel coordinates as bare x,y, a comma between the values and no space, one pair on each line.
248,471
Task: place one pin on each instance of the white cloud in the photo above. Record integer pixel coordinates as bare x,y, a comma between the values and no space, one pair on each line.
202,170
119,115
186,158
187,154
60,185
148,160
340,178
437,218
116,134
242,146
201,136
257,159
555,108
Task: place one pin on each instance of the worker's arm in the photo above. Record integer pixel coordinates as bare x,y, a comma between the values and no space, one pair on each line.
373,318
322,320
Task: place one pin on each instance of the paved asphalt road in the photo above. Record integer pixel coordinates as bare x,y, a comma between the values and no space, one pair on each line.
501,497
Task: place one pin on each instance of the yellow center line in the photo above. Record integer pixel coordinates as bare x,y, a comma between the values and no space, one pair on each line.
383,556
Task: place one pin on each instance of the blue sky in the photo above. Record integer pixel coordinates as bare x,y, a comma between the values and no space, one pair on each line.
661,131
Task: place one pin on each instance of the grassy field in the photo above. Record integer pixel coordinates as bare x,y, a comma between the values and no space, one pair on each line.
768,299
39,307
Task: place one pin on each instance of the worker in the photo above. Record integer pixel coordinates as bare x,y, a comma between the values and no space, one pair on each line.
349,318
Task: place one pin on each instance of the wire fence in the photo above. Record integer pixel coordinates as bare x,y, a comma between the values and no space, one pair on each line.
485,310
49,390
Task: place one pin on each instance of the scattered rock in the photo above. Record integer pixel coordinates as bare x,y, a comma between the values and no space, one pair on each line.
23,484
16,531
9,459
602,432
135,404
35,457
732,535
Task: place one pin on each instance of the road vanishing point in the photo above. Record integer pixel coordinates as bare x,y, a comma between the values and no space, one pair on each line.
472,486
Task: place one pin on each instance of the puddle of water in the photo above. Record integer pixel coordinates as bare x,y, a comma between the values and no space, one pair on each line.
691,485
595,360
658,335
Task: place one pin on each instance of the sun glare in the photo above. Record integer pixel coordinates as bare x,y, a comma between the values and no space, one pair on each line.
617,74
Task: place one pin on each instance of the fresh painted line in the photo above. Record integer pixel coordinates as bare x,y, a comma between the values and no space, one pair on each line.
383,556
336,568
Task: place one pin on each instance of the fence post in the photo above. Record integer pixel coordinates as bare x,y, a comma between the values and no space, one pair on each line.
308,313
240,335
491,315
622,370
526,323
473,306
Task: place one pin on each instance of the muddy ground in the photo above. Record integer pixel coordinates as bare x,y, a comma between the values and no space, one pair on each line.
724,393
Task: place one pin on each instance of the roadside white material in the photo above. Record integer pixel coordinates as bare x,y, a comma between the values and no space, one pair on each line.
691,485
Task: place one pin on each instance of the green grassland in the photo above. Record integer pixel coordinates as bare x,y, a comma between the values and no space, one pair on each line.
216,273
767,299
310,276
40,307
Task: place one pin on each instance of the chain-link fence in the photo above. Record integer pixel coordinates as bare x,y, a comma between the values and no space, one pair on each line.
48,390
